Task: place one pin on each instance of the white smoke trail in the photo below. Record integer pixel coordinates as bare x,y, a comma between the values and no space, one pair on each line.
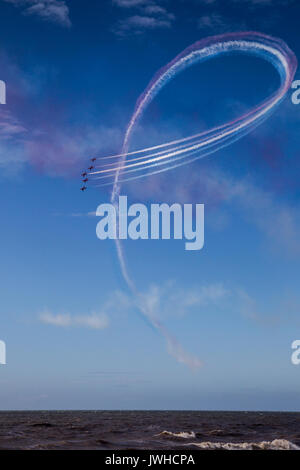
271,49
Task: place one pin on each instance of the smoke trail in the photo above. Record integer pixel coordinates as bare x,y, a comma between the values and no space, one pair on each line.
273,50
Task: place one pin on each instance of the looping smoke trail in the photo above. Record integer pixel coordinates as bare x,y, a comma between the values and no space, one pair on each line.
165,162
271,49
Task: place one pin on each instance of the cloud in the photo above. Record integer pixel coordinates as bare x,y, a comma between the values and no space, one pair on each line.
282,308
265,3
130,3
206,2
116,304
149,16
10,127
45,136
155,9
83,214
213,21
55,11
277,220
168,299
94,321
75,214
172,299
138,24
250,3
218,19
280,222
219,23
12,136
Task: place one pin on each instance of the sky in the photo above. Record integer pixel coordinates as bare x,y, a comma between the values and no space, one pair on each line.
74,336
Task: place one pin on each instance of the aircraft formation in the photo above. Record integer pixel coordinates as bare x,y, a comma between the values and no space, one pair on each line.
85,175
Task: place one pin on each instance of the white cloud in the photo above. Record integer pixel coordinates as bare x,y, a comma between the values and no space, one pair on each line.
169,299
10,127
218,23
116,304
216,19
130,3
138,23
251,3
172,299
12,136
263,3
82,214
207,2
277,220
55,11
213,21
60,319
149,16
97,321
155,9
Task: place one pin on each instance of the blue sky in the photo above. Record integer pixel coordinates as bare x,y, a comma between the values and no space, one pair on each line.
74,336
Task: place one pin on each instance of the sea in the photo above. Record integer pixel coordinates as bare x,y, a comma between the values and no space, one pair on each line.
149,430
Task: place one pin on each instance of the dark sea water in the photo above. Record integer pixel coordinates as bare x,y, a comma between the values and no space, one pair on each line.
120,430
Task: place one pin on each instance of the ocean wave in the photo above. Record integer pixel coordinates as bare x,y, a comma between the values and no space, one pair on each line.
180,435
276,444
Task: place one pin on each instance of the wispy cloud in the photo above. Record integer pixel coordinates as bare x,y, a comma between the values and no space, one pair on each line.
171,300
250,3
149,15
217,19
83,214
277,220
130,3
163,300
97,321
212,22
264,3
10,127
12,137
137,24
55,11
117,303
51,143
75,214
